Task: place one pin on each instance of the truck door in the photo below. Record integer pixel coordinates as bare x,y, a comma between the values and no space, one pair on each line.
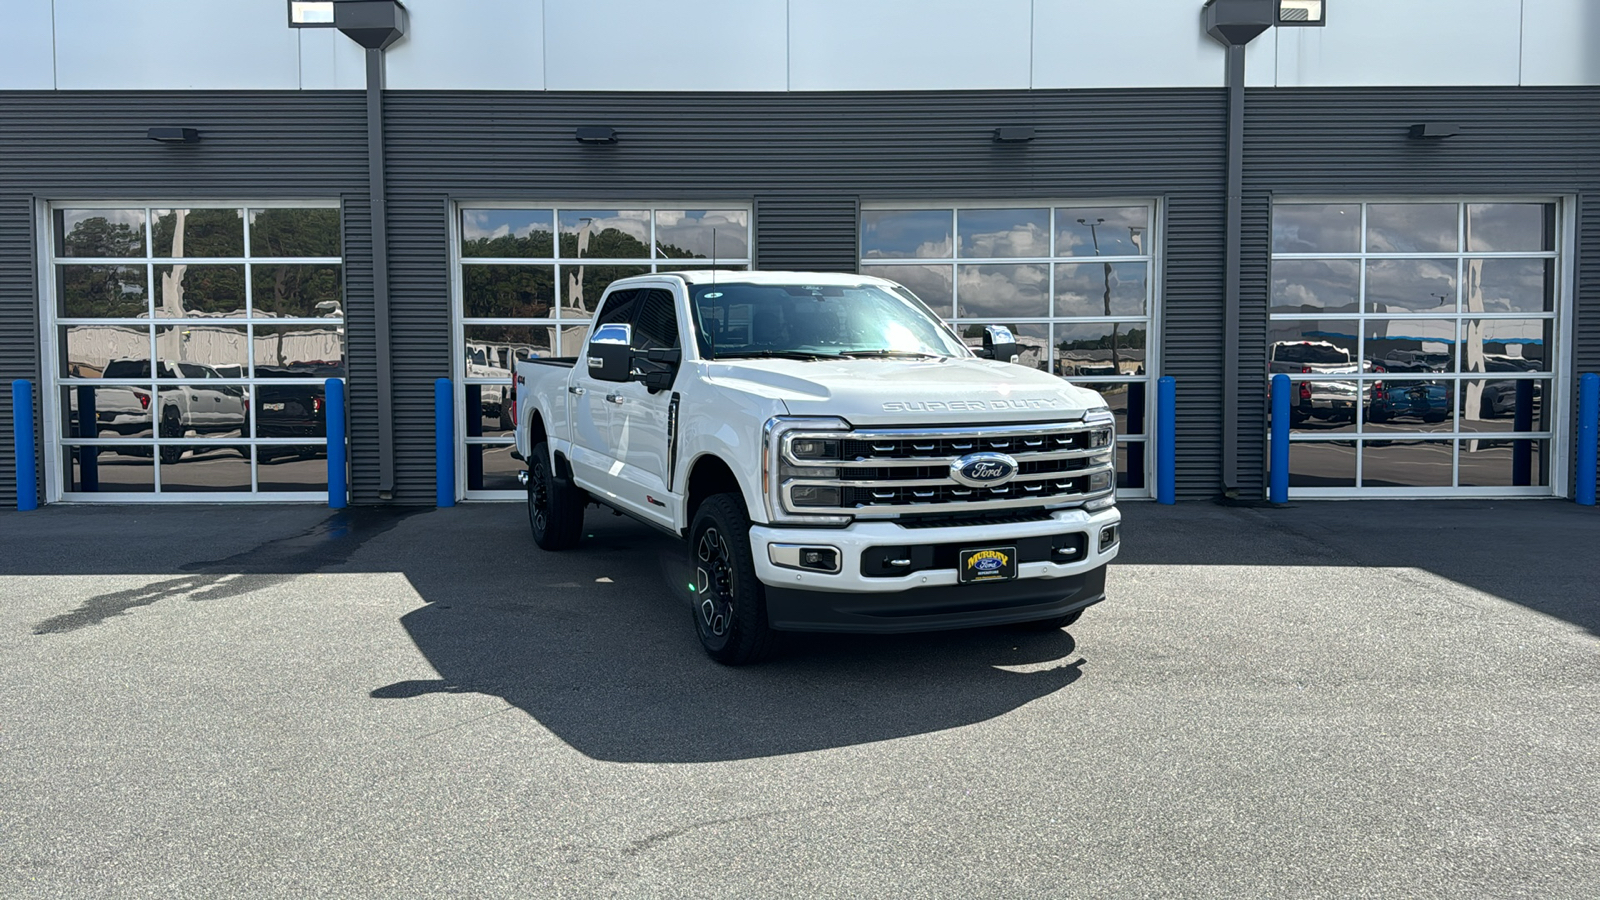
589,411
640,422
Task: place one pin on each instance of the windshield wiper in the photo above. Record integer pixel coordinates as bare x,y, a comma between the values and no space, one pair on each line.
777,354
891,354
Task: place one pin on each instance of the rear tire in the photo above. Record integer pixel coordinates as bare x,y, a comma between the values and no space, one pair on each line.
1054,623
555,507
730,602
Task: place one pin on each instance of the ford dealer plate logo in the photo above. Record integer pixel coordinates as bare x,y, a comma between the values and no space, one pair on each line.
983,469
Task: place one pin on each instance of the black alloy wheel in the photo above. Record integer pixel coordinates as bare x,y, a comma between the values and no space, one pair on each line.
555,508
730,606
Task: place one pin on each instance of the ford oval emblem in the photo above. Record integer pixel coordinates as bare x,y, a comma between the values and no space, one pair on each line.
983,469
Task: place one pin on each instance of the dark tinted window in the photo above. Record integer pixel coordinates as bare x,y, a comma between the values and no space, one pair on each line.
618,308
1311,353
656,325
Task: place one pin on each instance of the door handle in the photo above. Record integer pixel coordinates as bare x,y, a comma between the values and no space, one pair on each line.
614,398
572,389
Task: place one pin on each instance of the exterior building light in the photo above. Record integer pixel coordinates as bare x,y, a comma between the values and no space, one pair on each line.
310,14
1301,13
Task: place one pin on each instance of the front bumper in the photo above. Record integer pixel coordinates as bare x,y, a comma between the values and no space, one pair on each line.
930,599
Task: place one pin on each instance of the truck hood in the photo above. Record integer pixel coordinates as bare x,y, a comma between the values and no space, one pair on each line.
905,392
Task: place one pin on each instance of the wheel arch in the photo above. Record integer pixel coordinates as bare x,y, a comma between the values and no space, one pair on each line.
709,475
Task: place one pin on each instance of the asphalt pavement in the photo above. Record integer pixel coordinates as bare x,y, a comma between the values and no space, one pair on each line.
1340,699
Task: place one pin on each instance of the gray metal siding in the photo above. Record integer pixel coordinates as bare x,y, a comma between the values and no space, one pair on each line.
1513,141
804,161
64,145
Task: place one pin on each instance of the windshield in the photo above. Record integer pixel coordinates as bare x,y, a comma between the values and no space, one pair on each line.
815,321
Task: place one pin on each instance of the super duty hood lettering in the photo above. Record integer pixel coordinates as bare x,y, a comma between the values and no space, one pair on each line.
1014,403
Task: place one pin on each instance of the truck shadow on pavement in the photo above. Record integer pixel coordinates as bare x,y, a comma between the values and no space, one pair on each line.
599,647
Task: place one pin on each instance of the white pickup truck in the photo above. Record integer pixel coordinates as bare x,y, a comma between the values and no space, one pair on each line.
833,455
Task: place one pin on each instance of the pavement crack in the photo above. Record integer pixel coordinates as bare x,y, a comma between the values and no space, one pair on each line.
650,841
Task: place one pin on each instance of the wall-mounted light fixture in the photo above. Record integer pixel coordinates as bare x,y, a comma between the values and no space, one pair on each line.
1431,131
167,135
596,134
1013,134
1301,13
307,14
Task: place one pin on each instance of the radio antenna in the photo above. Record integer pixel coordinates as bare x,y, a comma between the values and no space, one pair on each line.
713,257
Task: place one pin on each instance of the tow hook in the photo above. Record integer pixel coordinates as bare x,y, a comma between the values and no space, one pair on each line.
522,477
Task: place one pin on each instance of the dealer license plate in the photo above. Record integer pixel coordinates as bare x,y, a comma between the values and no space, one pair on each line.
988,564
274,407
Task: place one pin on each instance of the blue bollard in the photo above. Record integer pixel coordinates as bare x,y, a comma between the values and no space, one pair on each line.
1278,490
1588,436
1167,440
338,449
444,444
22,432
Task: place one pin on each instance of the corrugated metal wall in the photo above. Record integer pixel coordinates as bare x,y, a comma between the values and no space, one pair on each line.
60,145
804,161
1513,141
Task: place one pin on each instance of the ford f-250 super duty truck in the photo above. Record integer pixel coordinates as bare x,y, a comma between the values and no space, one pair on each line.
833,455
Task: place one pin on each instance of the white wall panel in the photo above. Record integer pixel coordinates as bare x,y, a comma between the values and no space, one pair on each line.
175,45
329,61
27,51
1560,42
1150,44
472,45
1389,42
866,45
685,45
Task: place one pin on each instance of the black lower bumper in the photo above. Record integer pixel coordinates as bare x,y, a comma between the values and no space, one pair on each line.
934,608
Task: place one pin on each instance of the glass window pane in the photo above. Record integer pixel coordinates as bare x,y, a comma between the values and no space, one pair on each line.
1508,404
520,292
287,289
702,234
583,286
985,233
186,290
1511,227
1322,406
1506,345
1002,291
101,292
1510,285
491,468
294,232
1116,231
1126,400
299,351
1414,346
1411,285
518,341
1316,286
1505,463
200,350
290,410
181,233
1406,463
489,409
1033,342
1322,464
1312,346
933,285
110,351
224,469
605,234
107,411
508,233
1409,404
1101,289
906,234
203,410
302,467
655,325
1412,228
1131,465
99,233
129,469
1102,348
1316,228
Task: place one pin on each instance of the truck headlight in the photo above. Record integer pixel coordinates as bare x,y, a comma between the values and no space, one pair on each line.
793,453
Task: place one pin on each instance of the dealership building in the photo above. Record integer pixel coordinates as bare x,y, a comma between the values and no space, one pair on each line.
208,208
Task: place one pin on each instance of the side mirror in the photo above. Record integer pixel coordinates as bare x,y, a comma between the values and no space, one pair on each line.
665,369
610,353
999,343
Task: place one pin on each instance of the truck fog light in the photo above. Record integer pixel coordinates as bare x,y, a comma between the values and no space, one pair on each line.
1099,481
1108,538
798,556
815,495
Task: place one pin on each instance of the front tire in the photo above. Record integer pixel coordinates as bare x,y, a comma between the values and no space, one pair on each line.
555,507
730,602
